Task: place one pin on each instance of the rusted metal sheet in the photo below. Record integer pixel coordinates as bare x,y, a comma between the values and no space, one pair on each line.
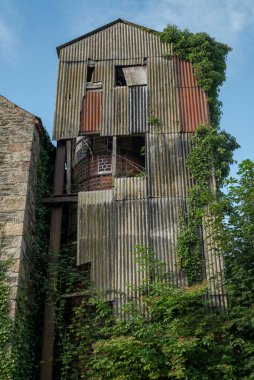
193,101
166,164
138,109
162,95
91,112
130,188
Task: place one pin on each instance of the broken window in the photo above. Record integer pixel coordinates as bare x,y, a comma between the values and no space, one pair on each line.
90,70
130,158
130,75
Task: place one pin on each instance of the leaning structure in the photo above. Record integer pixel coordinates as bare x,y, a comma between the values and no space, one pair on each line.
124,120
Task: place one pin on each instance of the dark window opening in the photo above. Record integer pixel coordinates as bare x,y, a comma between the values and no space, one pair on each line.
130,159
131,75
119,77
90,73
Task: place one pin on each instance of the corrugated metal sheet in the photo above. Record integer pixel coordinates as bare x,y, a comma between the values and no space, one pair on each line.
130,188
115,100
214,269
119,44
193,101
131,229
70,90
166,164
162,95
118,41
95,236
120,116
91,113
163,230
138,109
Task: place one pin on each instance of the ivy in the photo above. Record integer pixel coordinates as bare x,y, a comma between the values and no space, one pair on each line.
28,327
6,323
208,58
208,163
20,339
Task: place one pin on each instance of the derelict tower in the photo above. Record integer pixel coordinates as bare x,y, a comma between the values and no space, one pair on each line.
124,120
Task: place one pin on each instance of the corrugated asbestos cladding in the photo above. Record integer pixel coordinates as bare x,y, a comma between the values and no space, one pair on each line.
137,210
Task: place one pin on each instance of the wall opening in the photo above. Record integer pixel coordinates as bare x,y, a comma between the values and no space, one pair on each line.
130,158
131,75
90,70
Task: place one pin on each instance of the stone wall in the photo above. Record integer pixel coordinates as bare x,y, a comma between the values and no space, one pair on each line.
19,148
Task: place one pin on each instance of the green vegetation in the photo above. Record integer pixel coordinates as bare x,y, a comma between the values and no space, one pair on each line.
6,360
20,340
208,162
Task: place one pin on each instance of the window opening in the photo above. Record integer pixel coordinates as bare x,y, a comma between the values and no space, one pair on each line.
90,70
104,164
119,76
130,159
131,75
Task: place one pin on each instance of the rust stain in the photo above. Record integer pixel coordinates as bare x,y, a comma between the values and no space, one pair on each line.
193,101
91,114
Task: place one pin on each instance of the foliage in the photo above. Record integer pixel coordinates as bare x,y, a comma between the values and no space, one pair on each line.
20,339
33,287
208,58
208,164
171,333
167,335
154,123
6,360
239,233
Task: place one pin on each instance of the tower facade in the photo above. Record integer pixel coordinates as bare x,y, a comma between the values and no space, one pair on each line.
126,115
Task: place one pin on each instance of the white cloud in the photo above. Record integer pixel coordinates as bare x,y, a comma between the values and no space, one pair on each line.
223,19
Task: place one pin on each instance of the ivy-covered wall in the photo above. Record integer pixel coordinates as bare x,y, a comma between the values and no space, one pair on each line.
25,172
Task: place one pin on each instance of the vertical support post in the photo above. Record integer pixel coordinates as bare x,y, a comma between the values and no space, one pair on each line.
68,166
46,372
114,160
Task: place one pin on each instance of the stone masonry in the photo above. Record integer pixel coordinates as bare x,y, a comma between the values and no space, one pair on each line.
19,149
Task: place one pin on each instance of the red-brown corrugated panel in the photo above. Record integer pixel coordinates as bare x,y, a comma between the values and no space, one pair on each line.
91,112
193,102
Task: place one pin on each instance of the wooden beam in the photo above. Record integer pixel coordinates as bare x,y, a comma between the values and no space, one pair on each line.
114,146
68,166
58,199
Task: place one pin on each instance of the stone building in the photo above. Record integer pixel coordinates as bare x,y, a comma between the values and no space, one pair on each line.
20,133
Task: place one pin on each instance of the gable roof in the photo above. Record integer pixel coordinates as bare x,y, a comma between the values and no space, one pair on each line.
102,28
37,121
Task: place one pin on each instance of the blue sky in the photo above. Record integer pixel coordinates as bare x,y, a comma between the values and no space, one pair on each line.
31,30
